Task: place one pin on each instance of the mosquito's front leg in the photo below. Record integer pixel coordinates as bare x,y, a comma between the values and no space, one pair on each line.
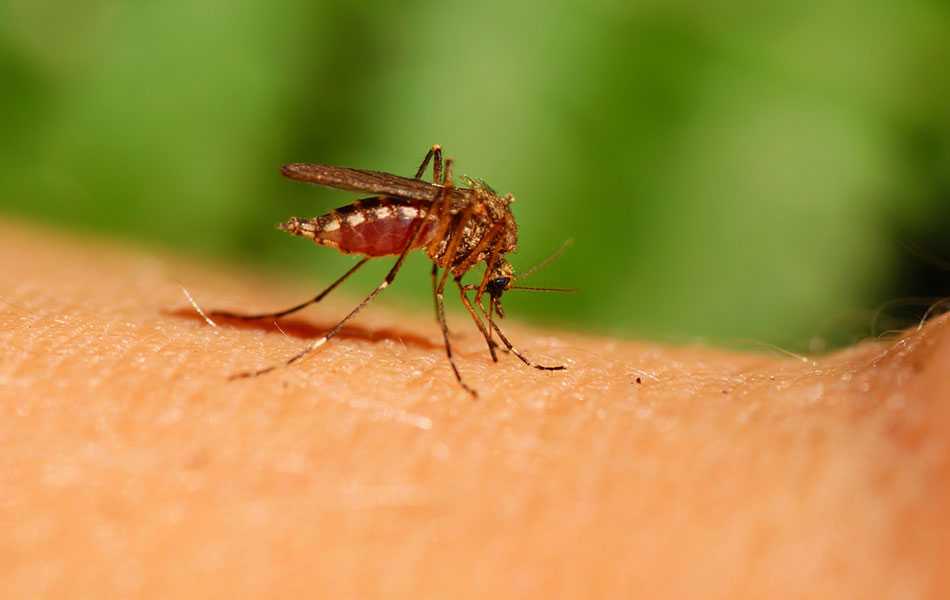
478,322
518,353
468,287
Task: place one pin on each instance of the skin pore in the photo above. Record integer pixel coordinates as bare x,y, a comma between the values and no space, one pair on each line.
132,467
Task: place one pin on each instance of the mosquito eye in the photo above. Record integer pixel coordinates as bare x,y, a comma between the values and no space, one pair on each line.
497,286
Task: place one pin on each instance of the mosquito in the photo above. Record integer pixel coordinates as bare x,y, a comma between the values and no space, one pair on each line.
457,227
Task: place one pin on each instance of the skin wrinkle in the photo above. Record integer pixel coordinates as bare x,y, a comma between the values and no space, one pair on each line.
132,467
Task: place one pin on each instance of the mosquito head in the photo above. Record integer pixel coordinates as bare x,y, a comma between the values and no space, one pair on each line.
500,279
497,286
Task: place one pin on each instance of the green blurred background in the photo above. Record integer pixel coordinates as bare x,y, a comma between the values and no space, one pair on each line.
729,171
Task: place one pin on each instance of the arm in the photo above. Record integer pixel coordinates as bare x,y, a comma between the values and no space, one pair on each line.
130,464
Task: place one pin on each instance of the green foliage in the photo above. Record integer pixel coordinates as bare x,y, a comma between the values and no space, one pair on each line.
728,170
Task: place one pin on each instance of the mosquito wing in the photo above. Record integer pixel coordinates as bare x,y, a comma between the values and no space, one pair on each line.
375,182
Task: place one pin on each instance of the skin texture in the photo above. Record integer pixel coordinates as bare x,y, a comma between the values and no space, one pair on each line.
131,467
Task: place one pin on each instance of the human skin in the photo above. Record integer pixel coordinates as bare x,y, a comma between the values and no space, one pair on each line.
132,467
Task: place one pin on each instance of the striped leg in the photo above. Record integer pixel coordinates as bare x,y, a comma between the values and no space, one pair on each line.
478,322
460,271
517,352
292,309
438,292
336,328
434,151
390,277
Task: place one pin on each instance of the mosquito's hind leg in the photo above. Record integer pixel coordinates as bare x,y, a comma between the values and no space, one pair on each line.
390,277
292,309
436,152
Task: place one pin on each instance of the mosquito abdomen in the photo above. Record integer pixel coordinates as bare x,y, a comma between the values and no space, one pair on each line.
371,227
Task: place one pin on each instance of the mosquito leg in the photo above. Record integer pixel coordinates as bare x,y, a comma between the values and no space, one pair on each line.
425,163
460,271
455,232
435,285
443,213
447,175
293,309
491,309
440,316
336,328
521,356
434,151
437,165
468,288
390,277
489,238
478,322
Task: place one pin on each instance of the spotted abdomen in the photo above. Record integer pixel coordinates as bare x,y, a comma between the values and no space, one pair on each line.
373,226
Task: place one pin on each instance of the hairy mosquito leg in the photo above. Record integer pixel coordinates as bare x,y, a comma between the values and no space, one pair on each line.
435,286
468,287
518,353
454,232
390,277
336,328
441,211
460,270
425,163
478,322
434,151
455,238
447,175
489,238
293,309
486,241
440,316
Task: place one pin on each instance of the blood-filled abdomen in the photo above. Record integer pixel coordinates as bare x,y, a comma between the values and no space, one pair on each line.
372,227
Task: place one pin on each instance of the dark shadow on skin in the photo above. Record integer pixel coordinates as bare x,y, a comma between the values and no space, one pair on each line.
299,328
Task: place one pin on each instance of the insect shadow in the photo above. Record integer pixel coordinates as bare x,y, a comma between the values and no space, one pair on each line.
301,329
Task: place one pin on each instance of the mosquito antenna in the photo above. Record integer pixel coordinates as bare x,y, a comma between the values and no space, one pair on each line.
554,256
542,289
